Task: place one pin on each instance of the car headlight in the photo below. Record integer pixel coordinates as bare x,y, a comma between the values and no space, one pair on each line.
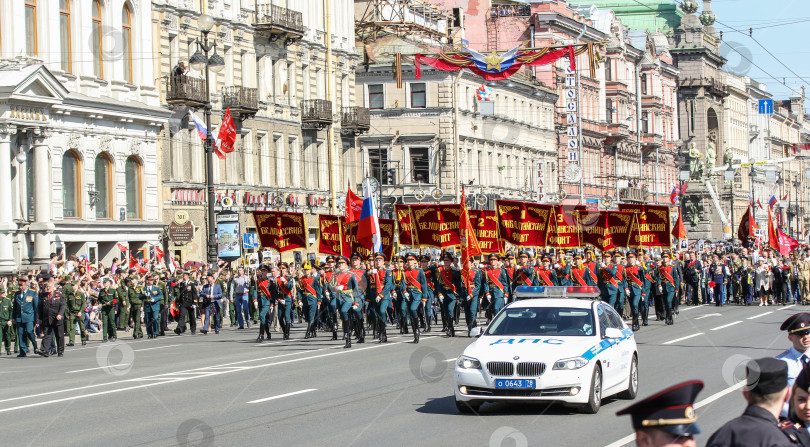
572,363
468,362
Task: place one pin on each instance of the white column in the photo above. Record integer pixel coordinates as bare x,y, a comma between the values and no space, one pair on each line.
42,226
7,225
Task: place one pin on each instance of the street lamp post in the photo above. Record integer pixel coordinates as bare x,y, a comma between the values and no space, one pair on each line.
200,61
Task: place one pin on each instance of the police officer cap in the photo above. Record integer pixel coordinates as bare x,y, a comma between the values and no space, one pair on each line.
494,256
379,255
670,410
797,323
410,256
425,258
356,255
766,375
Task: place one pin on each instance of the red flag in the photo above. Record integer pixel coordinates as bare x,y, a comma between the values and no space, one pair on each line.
679,231
132,261
747,226
773,238
122,248
227,135
354,205
417,62
160,254
572,58
469,241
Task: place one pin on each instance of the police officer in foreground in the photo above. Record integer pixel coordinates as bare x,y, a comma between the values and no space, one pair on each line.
766,392
798,329
666,418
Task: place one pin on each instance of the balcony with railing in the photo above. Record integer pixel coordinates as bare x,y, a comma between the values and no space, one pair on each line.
316,113
185,90
243,101
278,22
355,120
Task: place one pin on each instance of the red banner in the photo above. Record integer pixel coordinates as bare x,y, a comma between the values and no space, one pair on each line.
437,225
620,224
485,225
281,231
351,245
329,235
594,229
523,224
407,232
563,231
652,227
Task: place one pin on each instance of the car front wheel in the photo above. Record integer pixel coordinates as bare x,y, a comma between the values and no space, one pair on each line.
632,386
595,399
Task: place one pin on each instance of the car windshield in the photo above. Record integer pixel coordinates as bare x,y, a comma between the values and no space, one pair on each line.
539,321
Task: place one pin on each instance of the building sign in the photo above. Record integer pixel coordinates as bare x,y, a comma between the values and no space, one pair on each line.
188,196
571,117
540,179
181,230
229,245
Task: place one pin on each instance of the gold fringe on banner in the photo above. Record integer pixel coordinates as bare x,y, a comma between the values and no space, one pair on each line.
593,59
398,70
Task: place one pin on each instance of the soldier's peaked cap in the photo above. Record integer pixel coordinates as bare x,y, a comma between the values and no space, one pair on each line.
670,410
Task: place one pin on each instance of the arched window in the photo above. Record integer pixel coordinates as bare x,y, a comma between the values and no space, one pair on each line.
104,187
96,37
64,34
31,27
71,185
126,24
133,179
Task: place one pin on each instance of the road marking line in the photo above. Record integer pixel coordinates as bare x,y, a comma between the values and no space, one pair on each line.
630,438
692,307
169,378
156,347
760,315
683,338
707,316
727,325
98,367
450,360
281,396
786,307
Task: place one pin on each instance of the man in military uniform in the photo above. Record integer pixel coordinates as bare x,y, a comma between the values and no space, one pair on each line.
428,294
398,277
718,276
666,418
414,287
6,327
151,297
108,299
472,280
329,296
285,284
449,283
649,284
635,285
668,285
580,274
497,285
691,272
310,290
380,285
24,313
345,283
124,290
546,276
766,393
51,320
611,281
562,270
189,296
75,304
618,262
523,273
804,278
135,306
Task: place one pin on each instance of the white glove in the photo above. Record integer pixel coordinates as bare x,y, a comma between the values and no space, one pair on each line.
373,271
627,291
354,307
480,266
283,279
379,298
556,266
602,264
327,294
340,288
406,294
489,296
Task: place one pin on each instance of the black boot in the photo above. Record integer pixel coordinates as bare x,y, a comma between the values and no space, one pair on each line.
347,333
415,332
287,330
669,317
451,330
334,330
403,325
635,322
261,334
644,314
313,331
309,329
427,324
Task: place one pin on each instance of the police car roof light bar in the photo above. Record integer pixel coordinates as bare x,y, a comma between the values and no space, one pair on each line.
529,292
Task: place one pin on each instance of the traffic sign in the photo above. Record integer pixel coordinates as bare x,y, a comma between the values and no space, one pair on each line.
766,106
250,241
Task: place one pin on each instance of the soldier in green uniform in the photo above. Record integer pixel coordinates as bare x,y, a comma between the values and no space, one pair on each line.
168,290
135,307
108,298
151,296
6,328
123,304
75,301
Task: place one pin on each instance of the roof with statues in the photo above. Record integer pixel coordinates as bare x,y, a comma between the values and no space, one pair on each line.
651,15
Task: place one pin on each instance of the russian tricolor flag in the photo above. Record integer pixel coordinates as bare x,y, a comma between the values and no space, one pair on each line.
368,228
200,125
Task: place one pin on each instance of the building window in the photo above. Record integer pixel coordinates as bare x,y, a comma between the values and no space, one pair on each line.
133,179
609,111
645,119
375,97
103,187
418,95
31,27
126,31
64,32
420,165
643,84
96,36
608,70
71,185
378,163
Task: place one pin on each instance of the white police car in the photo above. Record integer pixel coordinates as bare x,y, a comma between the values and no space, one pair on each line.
553,344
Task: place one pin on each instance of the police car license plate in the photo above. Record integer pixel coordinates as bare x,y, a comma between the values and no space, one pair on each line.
514,383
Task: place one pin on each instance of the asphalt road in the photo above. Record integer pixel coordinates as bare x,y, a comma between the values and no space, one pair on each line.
227,390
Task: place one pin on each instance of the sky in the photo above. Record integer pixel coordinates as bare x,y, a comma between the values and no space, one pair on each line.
786,42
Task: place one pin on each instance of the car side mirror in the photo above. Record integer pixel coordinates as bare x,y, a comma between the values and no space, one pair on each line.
476,332
612,332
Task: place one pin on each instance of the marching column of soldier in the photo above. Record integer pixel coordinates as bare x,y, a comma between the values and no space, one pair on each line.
355,298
